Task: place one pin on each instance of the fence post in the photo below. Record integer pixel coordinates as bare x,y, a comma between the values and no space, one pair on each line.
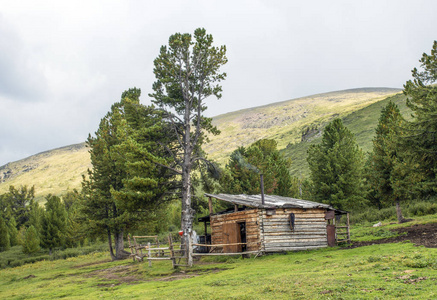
150,254
170,246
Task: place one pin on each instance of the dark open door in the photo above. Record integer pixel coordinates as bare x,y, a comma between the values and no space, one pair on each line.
231,235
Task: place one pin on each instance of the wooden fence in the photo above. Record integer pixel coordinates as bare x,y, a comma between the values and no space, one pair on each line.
150,252
156,252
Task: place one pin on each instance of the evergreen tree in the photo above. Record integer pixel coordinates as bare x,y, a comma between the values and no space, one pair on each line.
53,224
242,174
421,133
20,201
4,236
36,214
75,230
385,152
188,72
336,167
21,236
31,241
124,186
384,175
13,231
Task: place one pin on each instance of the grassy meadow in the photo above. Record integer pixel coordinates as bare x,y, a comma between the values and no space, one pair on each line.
380,271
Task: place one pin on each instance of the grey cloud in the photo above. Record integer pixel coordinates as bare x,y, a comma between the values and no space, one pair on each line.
20,77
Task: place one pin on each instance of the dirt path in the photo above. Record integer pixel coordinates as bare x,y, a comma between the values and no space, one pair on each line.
419,234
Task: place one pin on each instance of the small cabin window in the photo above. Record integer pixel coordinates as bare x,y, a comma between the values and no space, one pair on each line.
291,219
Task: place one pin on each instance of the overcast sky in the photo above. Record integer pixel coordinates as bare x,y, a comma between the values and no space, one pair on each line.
63,63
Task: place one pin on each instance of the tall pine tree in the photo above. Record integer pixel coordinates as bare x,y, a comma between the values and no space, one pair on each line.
187,72
336,168
124,185
387,159
421,134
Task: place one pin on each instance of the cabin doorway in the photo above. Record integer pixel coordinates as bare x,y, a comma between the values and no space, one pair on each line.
243,235
234,233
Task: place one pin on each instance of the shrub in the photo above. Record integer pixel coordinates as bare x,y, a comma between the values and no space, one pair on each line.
421,208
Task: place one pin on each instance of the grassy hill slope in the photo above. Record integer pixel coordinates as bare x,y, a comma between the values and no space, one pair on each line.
285,121
361,122
59,170
55,171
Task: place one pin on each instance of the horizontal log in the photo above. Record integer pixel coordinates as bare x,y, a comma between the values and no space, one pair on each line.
231,219
297,244
296,211
286,224
300,231
313,224
151,249
296,221
225,254
297,216
296,229
209,245
159,258
238,215
282,249
249,226
297,237
318,241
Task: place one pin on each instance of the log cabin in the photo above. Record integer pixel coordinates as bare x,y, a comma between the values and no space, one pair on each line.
267,223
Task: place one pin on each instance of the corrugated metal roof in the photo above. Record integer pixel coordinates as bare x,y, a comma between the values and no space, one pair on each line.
270,201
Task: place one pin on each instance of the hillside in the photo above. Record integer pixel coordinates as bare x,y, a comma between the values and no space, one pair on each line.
59,170
361,122
285,121
55,171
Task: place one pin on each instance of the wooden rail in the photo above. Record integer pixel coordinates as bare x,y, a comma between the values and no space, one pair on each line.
169,253
224,254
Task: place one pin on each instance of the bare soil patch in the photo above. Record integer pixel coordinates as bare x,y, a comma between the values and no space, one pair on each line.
91,264
130,274
419,234
119,274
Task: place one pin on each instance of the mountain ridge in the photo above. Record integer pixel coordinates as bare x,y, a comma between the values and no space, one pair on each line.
60,170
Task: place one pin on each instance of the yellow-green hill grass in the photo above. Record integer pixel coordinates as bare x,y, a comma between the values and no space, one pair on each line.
60,170
284,121
51,172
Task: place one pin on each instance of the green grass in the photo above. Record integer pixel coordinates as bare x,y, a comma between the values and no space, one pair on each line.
15,256
385,271
361,122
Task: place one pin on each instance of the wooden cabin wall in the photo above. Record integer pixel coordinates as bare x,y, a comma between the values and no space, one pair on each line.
309,230
251,217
